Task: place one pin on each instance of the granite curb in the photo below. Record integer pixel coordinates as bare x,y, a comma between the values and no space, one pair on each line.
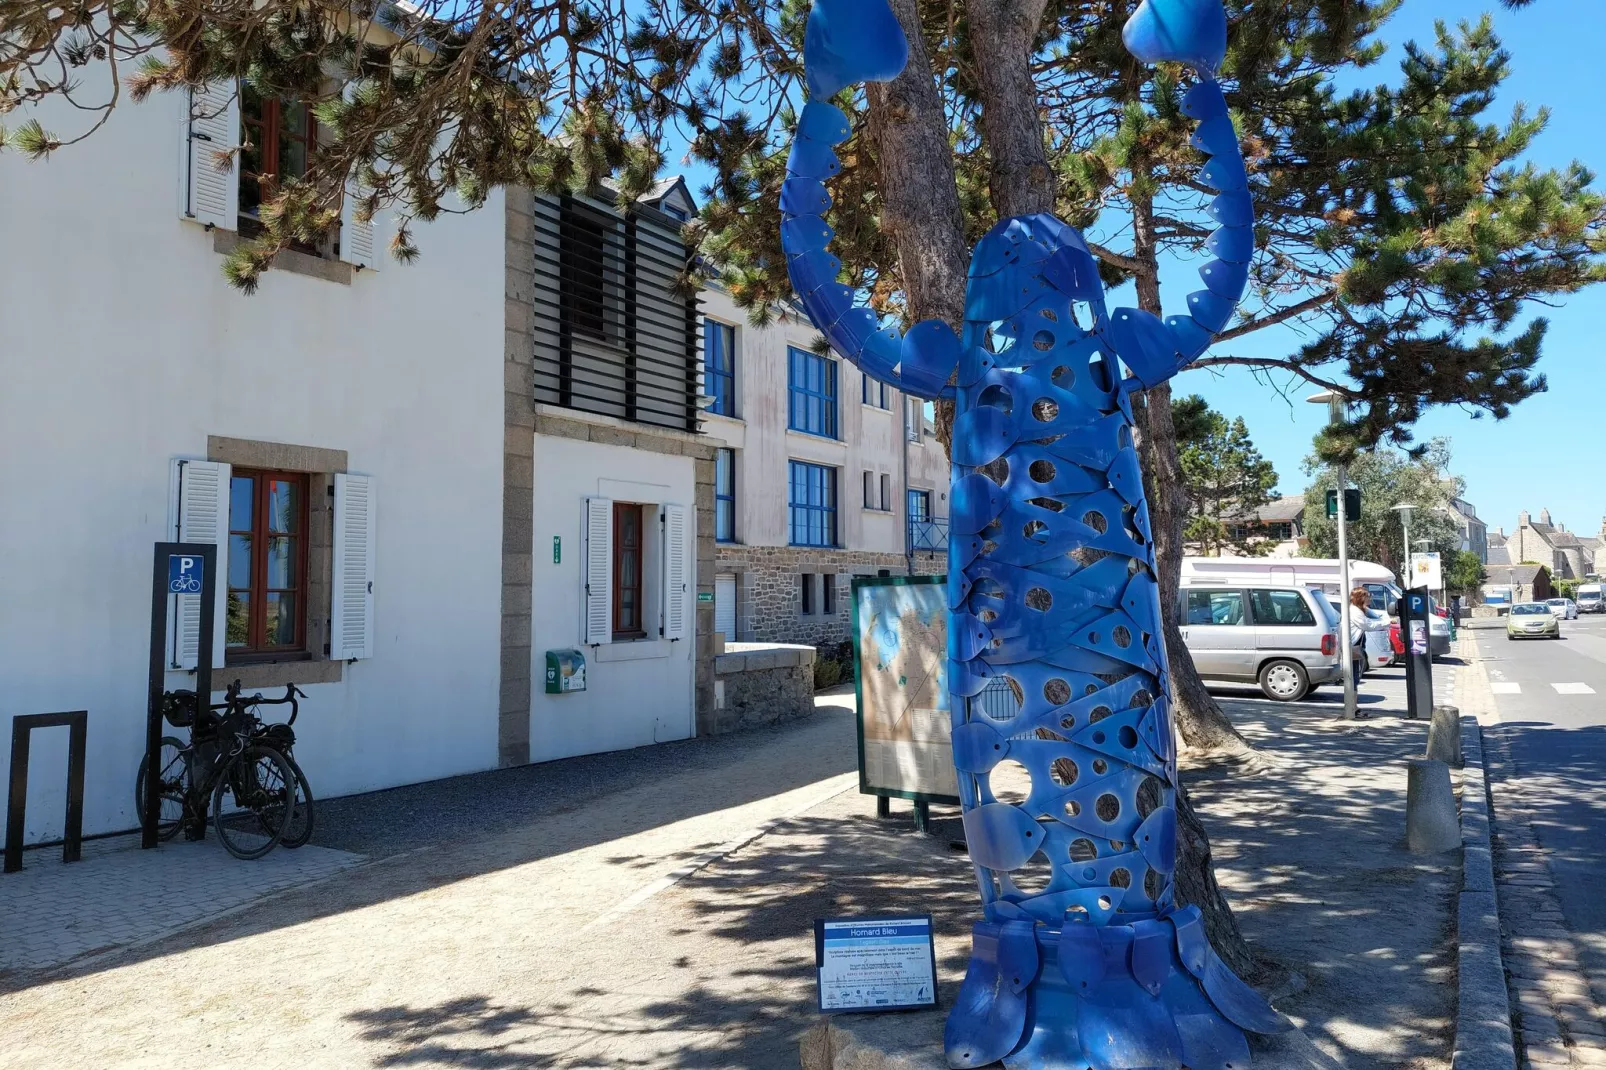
1483,1035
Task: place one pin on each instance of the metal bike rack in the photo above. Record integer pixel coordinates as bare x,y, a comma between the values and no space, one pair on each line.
77,724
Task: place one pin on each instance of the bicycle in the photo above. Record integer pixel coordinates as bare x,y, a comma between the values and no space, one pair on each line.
235,757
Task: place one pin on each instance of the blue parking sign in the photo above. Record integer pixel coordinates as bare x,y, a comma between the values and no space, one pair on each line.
184,573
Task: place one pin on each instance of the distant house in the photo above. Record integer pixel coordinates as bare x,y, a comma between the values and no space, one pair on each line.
1474,533
1546,543
1279,521
1517,583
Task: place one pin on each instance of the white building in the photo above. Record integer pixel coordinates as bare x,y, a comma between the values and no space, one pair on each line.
411,505
822,474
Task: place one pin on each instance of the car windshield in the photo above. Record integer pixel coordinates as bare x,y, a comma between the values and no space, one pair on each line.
1556,602
1529,609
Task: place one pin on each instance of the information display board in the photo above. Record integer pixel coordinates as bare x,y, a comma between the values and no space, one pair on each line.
875,964
1426,571
900,650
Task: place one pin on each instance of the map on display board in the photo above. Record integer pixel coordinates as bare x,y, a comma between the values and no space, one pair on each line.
900,649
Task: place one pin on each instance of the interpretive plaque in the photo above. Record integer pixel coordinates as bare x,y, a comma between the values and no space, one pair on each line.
875,964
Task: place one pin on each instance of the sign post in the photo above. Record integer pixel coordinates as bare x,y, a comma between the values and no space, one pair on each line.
178,568
1414,612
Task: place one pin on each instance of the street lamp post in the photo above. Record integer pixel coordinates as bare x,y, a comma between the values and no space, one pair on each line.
1335,414
1405,525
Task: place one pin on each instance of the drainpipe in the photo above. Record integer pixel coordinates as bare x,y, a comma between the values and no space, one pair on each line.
908,541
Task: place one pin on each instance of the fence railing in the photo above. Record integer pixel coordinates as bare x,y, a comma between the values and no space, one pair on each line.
928,534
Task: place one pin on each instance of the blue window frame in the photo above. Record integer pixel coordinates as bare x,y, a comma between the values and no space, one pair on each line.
811,392
813,504
724,495
719,366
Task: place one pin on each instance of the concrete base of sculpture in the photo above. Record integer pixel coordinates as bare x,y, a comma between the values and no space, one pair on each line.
1432,823
913,1041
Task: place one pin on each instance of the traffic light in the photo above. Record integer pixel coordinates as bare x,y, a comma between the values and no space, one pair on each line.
1352,504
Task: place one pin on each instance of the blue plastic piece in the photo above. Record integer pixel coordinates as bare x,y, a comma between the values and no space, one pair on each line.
1178,31
1055,656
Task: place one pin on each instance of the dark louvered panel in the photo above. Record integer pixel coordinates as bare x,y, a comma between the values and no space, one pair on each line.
611,335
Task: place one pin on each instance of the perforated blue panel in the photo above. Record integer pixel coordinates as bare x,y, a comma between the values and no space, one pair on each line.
1083,959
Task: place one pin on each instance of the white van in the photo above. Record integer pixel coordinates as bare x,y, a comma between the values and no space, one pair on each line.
1591,598
1301,572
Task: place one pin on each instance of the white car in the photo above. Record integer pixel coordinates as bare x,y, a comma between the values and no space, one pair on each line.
1565,608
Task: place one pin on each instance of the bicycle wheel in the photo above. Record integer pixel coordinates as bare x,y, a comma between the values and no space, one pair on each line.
174,783
299,828
260,781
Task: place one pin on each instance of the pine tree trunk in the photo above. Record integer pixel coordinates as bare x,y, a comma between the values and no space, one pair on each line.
1198,718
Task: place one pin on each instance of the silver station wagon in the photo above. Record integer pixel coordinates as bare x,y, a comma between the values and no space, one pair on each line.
1285,639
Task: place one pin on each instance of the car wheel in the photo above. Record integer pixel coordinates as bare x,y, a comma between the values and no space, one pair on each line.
1285,681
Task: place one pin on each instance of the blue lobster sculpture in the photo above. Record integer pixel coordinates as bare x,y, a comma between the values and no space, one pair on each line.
1051,585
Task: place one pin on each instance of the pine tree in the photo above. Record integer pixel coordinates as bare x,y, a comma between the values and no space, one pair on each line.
1224,477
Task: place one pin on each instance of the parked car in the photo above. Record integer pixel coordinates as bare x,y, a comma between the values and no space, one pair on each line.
1532,620
1591,598
1438,629
1565,608
1379,651
1277,637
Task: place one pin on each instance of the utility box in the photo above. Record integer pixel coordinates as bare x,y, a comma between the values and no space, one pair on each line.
565,671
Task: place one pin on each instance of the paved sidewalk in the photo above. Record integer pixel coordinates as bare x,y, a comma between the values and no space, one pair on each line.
1558,1019
118,896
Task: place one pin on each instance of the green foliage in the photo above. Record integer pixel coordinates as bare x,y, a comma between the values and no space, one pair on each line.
1464,572
1223,475
1566,588
827,673
1387,478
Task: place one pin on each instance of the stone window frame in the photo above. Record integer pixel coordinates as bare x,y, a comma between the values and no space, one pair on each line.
320,465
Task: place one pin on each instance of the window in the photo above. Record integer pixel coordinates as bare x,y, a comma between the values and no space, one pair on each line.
1215,607
277,138
628,539
267,562
806,587
724,495
592,274
886,492
811,386
869,490
813,504
874,392
828,592
719,366
1276,608
919,505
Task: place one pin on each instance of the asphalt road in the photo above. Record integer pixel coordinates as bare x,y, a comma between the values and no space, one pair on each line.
1551,698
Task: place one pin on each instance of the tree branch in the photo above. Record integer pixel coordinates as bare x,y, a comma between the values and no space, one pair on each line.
1272,362
1282,315
1121,260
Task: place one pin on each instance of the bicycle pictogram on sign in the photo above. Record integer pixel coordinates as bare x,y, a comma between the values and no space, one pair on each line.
184,573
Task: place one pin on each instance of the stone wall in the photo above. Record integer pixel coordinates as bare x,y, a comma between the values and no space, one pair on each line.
769,601
761,684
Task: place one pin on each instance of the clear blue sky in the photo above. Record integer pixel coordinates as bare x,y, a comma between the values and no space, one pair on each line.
1551,451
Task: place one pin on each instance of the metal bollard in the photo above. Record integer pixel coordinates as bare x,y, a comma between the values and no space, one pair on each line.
1444,736
1432,824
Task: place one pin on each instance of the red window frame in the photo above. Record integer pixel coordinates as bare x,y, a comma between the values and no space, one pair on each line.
256,645
629,540
261,122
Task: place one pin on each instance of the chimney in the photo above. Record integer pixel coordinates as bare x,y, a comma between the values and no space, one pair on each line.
1523,519
1544,516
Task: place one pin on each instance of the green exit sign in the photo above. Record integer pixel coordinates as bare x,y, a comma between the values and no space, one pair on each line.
1352,504
557,549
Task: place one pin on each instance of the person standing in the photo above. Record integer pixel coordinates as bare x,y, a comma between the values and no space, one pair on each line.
1362,620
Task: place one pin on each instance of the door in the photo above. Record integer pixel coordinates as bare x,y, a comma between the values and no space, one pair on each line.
725,605
1284,621
1217,632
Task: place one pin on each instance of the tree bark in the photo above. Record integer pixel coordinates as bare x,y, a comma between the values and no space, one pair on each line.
919,195
1198,718
1019,179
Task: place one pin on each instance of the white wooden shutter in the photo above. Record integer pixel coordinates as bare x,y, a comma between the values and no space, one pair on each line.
351,609
677,587
358,240
598,593
725,606
207,194
203,516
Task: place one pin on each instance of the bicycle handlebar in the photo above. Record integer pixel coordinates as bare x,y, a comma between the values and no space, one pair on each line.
232,696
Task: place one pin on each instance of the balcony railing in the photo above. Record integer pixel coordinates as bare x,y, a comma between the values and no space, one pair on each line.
928,534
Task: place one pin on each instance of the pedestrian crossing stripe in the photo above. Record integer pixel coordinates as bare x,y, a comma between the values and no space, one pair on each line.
1573,689
1502,688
